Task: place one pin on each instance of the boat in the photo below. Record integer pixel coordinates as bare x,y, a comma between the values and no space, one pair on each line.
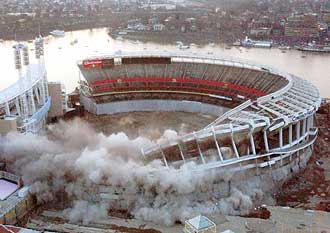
75,41
57,33
122,33
311,47
183,46
180,45
237,43
247,42
120,38
283,47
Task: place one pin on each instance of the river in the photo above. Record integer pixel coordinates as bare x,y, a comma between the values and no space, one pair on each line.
61,57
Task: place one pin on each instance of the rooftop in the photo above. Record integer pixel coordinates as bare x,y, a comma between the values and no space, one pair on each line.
201,222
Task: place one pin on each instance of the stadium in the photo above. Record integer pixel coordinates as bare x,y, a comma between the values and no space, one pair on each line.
266,117
264,130
24,105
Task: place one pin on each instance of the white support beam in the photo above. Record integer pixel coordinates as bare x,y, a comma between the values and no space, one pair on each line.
290,134
252,144
43,92
199,149
298,130
294,106
296,102
32,103
276,113
181,153
281,137
266,141
289,111
18,107
233,142
25,106
217,144
302,96
7,109
36,93
163,156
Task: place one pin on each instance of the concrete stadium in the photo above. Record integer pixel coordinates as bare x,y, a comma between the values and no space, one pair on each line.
268,114
264,130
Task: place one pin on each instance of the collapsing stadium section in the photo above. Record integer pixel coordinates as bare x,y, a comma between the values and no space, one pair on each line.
264,131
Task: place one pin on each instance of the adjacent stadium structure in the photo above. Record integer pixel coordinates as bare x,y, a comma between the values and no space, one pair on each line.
25,104
265,118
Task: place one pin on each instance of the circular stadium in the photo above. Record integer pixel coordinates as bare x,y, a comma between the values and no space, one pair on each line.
265,117
264,129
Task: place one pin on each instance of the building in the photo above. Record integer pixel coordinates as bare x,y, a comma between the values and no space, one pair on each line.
24,105
158,27
59,99
15,200
200,224
304,25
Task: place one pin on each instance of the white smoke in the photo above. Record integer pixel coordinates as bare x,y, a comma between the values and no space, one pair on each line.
74,158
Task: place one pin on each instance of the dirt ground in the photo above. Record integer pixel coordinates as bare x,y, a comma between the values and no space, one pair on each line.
310,188
148,124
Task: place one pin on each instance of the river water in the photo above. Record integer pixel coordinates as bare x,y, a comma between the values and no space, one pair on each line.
61,57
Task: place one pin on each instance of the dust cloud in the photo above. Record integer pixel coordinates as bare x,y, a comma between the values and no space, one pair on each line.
73,158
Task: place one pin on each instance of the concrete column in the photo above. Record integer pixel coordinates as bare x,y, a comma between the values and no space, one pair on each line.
163,155
181,152
46,87
253,147
7,108
18,108
233,142
42,90
281,137
290,134
304,126
32,104
234,146
25,106
199,149
266,141
298,130
37,94
217,144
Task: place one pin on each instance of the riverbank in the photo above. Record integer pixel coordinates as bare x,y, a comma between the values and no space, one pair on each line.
198,38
